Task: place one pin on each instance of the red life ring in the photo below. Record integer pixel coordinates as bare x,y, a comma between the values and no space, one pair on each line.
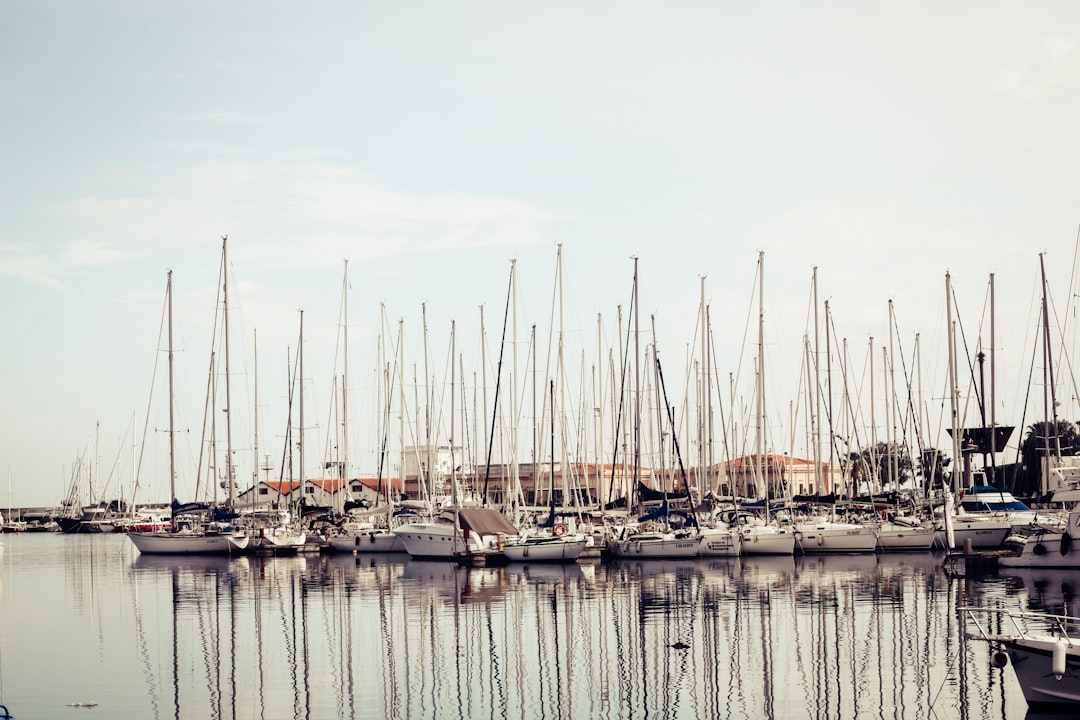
560,529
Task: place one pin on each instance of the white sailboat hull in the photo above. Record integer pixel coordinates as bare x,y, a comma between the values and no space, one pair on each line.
182,543
567,548
899,538
767,540
719,542
655,545
371,541
830,537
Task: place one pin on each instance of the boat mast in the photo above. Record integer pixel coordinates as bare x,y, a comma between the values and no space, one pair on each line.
300,390
228,396
1048,359
954,410
172,427
255,458
343,460
761,378
453,373
816,386
637,385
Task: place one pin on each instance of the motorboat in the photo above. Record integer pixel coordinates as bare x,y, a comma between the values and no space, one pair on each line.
1048,547
457,533
1042,649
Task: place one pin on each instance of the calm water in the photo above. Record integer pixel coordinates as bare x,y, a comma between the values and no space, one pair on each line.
85,619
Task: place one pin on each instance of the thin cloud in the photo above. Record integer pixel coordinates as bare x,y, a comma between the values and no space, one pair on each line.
28,265
1053,74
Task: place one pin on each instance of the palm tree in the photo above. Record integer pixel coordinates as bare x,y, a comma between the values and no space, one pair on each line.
1039,441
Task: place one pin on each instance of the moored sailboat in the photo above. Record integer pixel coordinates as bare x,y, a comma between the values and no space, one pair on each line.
197,528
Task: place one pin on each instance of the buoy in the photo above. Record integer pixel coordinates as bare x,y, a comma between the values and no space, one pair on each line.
1066,543
999,659
821,539
680,645
1057,666
1039,549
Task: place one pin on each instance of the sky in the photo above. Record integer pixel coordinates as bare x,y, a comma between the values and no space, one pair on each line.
430,144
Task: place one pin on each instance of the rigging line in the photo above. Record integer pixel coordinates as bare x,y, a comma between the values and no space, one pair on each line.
498,382
967,357
674,437
622,401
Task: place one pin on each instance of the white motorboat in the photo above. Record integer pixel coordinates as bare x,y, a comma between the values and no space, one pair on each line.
457,533
984,532
1049,548
1042,649
1002,505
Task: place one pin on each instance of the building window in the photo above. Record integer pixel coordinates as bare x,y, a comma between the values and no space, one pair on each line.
309,490
264,491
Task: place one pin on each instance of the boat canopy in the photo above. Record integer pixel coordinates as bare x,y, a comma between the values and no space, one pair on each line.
485,521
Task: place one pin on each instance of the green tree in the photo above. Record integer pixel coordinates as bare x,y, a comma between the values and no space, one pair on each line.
884,456
933,465
1039,436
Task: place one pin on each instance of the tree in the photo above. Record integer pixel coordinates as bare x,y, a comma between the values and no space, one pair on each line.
933,464
882,457
1039,436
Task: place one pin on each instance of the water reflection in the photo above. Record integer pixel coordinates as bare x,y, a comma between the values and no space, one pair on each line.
384,637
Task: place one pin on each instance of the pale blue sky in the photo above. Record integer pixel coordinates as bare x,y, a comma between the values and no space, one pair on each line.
429,143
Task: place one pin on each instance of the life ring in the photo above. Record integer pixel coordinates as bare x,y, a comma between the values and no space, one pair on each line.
560,529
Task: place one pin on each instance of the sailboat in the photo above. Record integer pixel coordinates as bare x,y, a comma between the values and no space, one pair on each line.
370,532
956,528
550,541
459,532
197,528
655,535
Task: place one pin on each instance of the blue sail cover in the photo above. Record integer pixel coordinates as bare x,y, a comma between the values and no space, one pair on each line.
666,515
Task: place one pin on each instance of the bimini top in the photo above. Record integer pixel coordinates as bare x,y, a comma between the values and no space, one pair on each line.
485,521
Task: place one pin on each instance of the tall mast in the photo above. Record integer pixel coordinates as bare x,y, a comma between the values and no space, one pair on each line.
401,405
172,435
1049,364
255,451
993,399
816,407
637,383
343,467
300,374
453,467
761,375
954,410
228,395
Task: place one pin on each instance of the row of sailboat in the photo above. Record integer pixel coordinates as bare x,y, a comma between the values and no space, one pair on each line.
458,529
